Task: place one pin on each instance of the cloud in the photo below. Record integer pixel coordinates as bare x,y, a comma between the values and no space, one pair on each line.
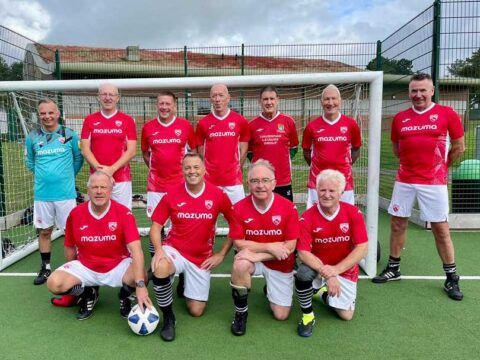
28,18
161,24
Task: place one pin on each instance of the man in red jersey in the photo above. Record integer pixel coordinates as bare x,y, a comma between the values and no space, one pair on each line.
333,240
165,140
102,247
420,138
331,141
109,141
222,139
265,234
192,207
273,137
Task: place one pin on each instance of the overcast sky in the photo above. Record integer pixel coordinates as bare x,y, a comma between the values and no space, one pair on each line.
175,23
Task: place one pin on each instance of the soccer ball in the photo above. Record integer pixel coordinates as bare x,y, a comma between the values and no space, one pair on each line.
143,323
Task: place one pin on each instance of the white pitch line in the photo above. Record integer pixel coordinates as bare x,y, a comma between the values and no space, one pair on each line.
362,277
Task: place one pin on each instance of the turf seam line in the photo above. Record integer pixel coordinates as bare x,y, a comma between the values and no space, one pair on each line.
362,277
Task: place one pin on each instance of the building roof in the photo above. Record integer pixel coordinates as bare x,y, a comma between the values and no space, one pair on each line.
175,58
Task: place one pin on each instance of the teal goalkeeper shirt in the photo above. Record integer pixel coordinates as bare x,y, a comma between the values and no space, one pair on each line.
55,159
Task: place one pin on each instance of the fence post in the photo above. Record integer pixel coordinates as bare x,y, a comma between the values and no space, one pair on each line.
58,76
185,73
437,11
379,56
242,72
3,208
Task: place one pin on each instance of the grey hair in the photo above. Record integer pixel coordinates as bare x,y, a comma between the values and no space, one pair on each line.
264,163
331,87
108,84
99,173
333,175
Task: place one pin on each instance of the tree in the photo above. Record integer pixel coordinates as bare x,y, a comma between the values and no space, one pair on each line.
470,67
392,66
11,72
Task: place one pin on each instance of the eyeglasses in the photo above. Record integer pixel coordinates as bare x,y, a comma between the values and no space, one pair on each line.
104,95
262,181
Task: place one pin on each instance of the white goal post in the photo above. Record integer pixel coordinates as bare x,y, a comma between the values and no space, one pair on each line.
373,80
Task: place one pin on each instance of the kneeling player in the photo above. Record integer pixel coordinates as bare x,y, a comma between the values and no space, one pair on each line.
333,240
102,246
267,229
193,208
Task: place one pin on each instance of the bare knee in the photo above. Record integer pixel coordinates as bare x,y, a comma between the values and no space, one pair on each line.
241,266
55,283
163,269
196,308
346,315
398,224
280,313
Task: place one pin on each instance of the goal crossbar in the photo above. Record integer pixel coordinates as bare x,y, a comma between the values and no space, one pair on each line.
373,78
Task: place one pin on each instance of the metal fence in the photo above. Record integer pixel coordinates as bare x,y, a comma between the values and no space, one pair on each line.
442,40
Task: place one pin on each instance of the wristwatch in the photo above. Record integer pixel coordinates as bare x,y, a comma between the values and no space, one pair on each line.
140,284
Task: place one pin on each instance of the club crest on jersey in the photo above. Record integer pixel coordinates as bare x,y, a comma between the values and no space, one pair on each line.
433,117
343,129
344,227
178,132
276,219
118,123
61,140
231,125
281,128
112,225
208,204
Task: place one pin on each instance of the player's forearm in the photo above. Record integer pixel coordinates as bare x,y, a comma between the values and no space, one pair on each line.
146,158
138,261
291,245
128,155
355,153
243,152
226,246
201,151
307,155
310,260
357,254
70,253
88,155
155,236
251,245
456,150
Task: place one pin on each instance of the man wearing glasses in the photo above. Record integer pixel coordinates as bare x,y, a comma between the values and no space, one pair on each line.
109,141
265,235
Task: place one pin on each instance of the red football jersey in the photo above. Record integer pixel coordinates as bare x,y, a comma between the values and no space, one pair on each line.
193,219
271,139
101,242
167,144
278,223
108,139
331,239
330,144
221,138
422,139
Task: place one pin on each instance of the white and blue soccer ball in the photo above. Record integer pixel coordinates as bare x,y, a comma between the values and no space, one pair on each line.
143,323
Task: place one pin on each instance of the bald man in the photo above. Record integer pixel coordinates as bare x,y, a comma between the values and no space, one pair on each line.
222,139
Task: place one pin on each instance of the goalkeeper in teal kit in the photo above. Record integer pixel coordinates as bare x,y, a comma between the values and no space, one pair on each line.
54,157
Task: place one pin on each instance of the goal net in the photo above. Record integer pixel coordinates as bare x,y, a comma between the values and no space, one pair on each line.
299,97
